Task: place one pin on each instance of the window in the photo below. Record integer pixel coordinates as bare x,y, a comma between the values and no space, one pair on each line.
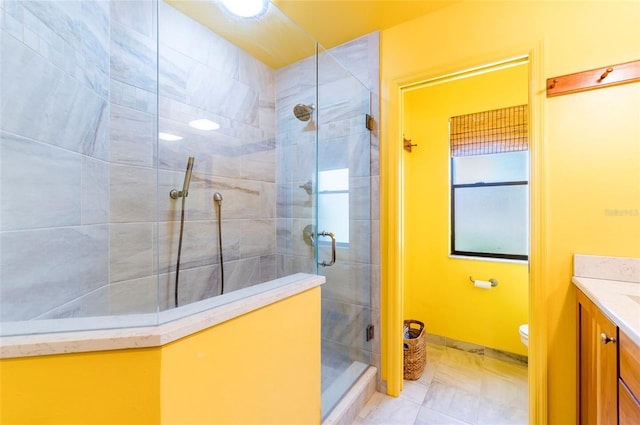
489,184
333,203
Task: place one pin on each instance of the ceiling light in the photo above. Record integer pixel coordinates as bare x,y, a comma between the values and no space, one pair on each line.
246,8
204,124
169,137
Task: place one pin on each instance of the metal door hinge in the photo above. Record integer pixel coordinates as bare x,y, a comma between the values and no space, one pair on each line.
370,332
370,123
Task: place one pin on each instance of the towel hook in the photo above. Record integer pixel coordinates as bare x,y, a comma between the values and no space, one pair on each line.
407,144
605,73
553,83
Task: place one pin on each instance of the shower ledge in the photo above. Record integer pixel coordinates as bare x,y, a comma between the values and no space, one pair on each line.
172,324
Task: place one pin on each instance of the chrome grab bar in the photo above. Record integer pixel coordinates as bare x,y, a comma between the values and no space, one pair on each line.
333,248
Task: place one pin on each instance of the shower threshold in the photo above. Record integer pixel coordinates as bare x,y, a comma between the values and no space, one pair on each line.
340,386
351,397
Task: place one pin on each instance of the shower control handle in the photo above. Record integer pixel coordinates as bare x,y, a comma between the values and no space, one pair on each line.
333,249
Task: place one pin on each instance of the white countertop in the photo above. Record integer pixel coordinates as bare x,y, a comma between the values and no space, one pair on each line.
619,301
613,284
173,324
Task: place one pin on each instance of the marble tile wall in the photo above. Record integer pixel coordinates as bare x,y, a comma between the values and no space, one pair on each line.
54,152
204,76
87,226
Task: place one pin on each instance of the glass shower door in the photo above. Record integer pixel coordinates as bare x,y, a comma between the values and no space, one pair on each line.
343,227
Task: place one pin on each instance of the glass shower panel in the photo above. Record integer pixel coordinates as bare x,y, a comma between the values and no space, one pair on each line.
296,175
78,174
243,78
343,201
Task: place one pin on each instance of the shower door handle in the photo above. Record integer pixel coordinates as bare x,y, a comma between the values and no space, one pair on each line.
333,249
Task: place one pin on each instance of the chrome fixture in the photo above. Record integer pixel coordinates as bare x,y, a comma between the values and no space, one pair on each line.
333,249
175,195
187,180
217,199
303,112
308,235
308,187
492,281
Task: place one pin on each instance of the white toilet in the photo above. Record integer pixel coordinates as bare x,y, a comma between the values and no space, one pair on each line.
524,334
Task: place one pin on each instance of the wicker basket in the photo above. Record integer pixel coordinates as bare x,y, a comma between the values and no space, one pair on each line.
415,356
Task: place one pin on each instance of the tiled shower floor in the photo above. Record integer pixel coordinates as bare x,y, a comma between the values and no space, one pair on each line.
457,387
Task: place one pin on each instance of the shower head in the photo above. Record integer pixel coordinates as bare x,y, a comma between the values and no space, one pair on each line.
217,197
175,194
187,177
303,112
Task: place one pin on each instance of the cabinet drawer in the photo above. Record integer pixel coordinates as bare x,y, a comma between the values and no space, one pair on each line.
628,407
630,364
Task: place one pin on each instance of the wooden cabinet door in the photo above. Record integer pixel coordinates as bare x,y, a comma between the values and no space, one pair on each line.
629,408
598,368
629,388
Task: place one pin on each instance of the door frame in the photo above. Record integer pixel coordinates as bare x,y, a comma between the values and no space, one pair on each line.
392,207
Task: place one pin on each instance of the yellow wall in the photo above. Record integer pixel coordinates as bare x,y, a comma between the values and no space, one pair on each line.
262,367
588,156
437,288
108,387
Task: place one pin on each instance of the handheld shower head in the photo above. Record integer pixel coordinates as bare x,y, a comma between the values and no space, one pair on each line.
175,194
303,112
187,177
217,197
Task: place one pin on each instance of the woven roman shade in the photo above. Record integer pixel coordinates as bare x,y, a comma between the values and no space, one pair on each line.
496,131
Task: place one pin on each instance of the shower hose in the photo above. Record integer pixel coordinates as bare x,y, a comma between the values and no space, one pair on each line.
184,198
220,246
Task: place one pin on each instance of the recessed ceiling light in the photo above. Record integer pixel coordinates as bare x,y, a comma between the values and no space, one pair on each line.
246,8
169,137
204,124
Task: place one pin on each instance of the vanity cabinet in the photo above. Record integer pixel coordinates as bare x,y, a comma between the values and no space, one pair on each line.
598,365
608,370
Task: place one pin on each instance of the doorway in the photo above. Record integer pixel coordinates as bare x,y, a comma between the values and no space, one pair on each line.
438,287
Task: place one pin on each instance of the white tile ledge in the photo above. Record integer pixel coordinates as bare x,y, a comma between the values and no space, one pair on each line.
610,283
173,324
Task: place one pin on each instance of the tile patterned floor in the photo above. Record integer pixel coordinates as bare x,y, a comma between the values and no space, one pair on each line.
456,387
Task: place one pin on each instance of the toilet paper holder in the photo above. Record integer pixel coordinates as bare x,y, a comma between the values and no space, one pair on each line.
493,282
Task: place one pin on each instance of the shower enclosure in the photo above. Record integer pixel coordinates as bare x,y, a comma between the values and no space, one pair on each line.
102,105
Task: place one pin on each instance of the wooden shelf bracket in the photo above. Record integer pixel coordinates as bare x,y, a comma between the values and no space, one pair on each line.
613,75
